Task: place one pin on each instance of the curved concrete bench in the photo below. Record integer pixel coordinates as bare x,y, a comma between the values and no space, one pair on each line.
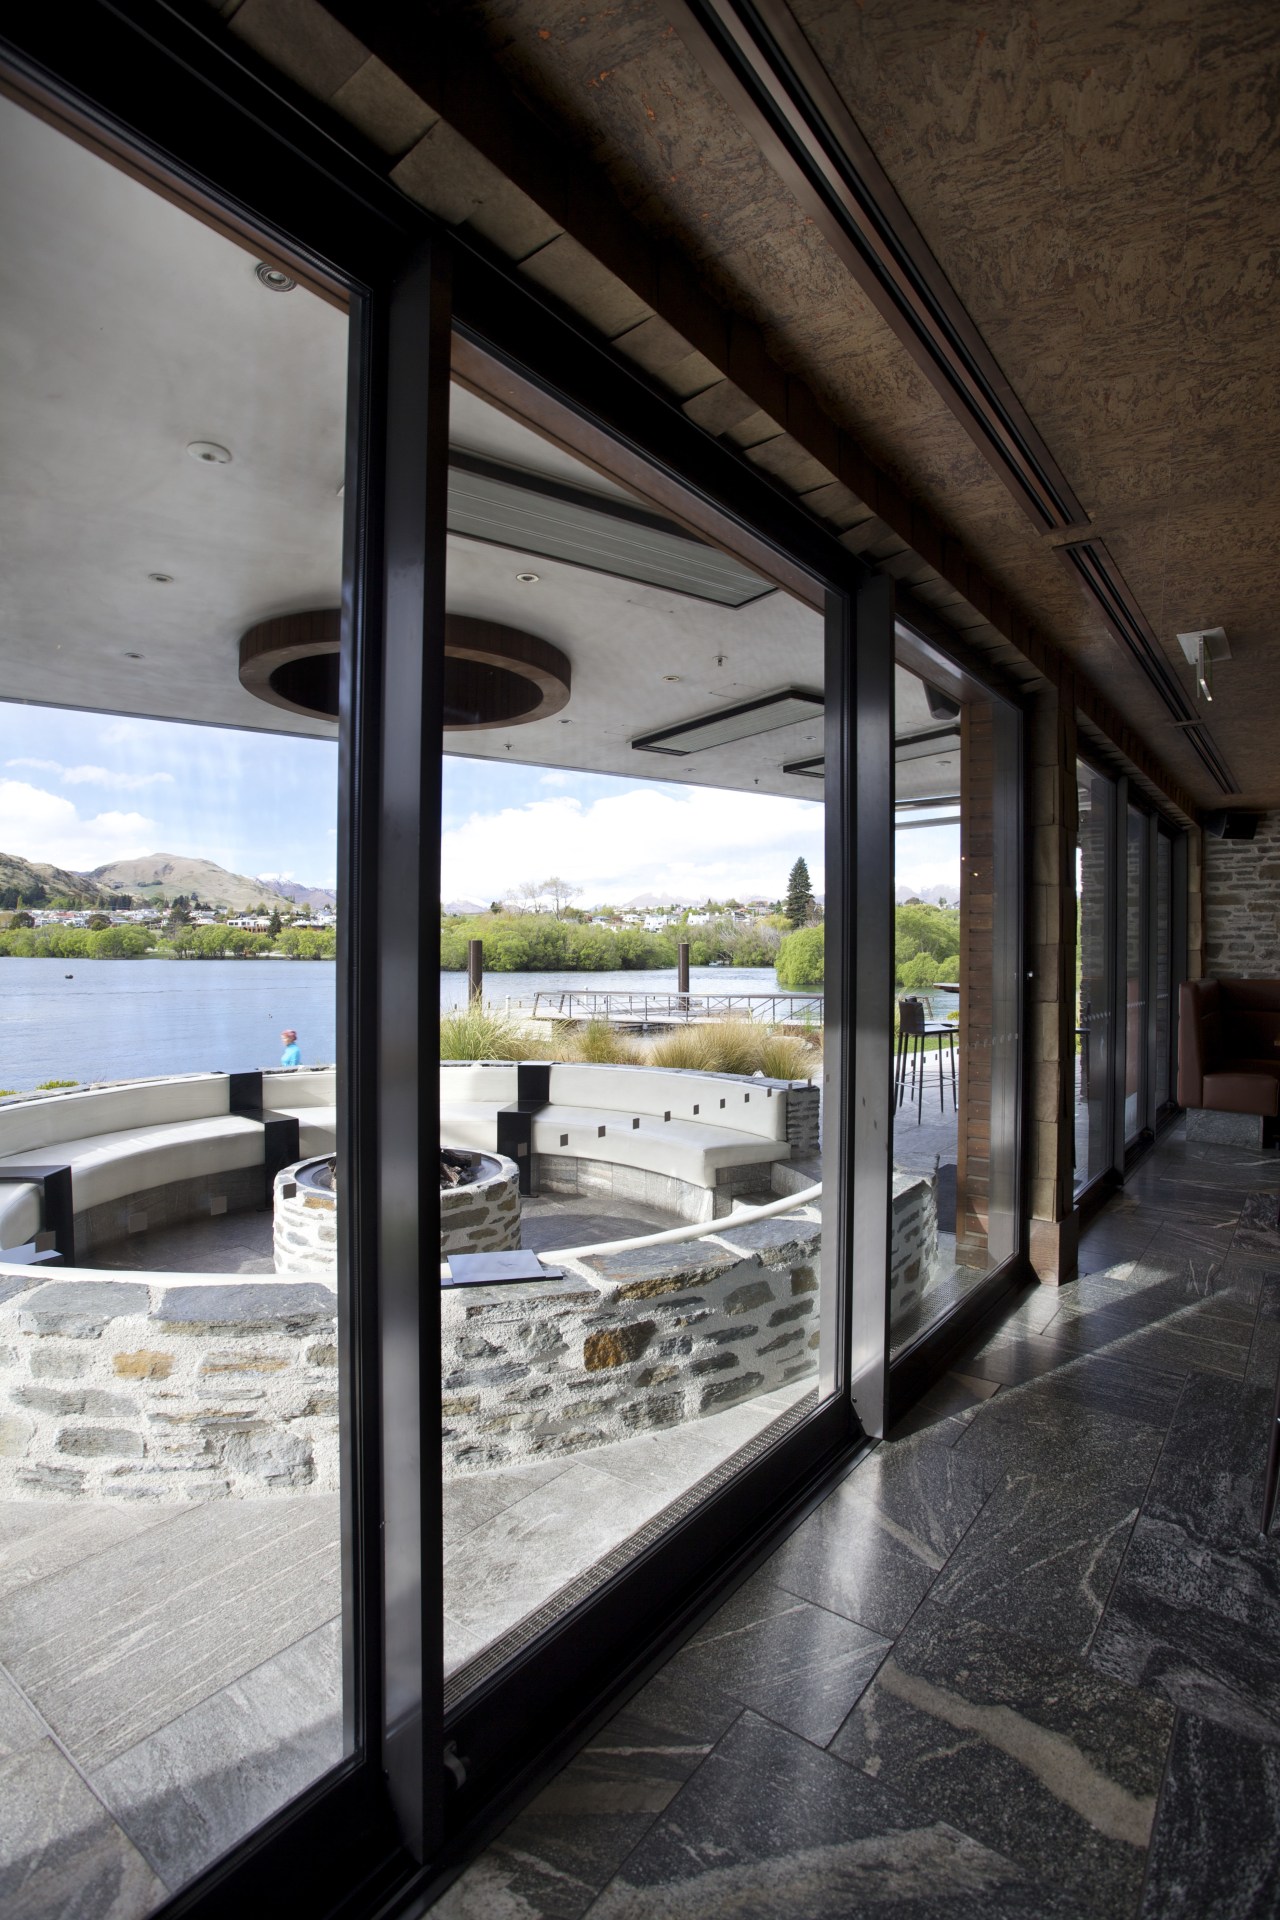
693,1133
159,1147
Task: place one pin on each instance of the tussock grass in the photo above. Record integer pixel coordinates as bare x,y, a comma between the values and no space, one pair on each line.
602,1045
784,1056
685,1048
475,1033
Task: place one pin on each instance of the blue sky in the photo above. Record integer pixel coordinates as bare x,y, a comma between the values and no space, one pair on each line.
82,789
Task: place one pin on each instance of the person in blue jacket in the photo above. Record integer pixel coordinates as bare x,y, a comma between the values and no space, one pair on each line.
292,1055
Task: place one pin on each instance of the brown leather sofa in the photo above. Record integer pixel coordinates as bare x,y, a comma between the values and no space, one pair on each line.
1229,1046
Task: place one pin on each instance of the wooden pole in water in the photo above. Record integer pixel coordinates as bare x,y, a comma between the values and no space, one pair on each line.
475,970
682,974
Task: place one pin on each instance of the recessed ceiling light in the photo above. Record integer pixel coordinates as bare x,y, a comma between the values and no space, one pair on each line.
161,579
133,656
529,579
274,279
740,722
210,452
673,676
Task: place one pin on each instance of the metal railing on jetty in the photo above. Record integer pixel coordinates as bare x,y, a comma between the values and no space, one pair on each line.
677,1009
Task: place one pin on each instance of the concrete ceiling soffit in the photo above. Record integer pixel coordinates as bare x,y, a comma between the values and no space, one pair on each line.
457,141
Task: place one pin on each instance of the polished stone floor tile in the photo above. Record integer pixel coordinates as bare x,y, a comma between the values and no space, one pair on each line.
875,1546
62,1856
188,1793
1210,1476
1184,1340
1041,1557
1030,1752
1087,1413
21,1728
39,1538
562,1849
769,1825
471,1499
514,1563
1197,1623
1264,1354
794,1663
947,1407
1258,1232
115,1647
1012,1357
1217,1834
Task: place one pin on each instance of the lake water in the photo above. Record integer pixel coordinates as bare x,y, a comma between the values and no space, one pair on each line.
117,1019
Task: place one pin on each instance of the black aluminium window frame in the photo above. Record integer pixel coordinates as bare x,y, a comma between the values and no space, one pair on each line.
161,78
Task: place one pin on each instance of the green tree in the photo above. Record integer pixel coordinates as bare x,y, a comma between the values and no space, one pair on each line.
275,923
799,907
800,958
96,922
22,919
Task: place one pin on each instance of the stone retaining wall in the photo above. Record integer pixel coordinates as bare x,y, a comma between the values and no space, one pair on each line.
628,1343
138,1389
913,1243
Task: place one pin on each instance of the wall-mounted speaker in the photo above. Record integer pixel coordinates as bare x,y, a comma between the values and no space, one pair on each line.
1227,825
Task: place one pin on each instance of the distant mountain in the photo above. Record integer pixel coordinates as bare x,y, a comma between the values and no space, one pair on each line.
937,895
174,873
37,884
462,906
649,900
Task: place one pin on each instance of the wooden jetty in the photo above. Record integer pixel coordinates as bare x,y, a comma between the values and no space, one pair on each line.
675,1009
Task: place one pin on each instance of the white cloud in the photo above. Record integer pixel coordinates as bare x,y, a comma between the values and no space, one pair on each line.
695,844
556,779
83,776
48,827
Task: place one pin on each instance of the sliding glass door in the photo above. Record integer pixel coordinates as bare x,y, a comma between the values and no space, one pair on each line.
1131,957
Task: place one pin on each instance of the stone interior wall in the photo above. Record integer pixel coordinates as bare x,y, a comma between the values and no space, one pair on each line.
628,1343
135,1389
1241,893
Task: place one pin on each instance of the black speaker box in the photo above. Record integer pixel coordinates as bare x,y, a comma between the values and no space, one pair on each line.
1232,826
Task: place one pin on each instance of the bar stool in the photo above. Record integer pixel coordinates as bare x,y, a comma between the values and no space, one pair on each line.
913,1029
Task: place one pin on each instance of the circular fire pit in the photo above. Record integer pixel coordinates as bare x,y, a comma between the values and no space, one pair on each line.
479,1209
480,1213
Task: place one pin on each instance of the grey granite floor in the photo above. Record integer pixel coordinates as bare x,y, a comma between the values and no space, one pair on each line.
170,1676
1024,1660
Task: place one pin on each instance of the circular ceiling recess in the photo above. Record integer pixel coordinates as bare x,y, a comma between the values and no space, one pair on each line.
496,676
293,662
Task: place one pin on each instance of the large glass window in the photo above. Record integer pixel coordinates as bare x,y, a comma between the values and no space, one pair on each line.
172,449
1095,1027
635,1097
1136,935
956,965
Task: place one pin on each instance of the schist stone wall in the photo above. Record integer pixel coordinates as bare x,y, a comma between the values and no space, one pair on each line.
628,1343
1242,904
132,1389
913,1243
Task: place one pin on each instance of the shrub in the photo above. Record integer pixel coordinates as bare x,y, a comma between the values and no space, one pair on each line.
800,958
49,1086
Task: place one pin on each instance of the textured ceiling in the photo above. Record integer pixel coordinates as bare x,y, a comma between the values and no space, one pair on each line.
1100,185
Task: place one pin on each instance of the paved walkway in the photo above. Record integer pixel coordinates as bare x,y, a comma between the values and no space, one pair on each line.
1023,1659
